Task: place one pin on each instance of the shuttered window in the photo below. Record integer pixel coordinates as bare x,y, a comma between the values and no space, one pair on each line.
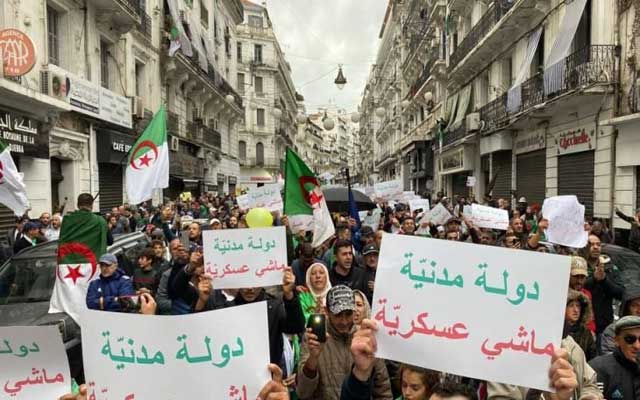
502,162
575,176
110,181
531,175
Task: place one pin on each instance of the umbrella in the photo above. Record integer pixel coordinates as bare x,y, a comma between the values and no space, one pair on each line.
338,200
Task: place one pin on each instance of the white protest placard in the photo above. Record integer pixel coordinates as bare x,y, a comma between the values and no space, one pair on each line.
389,190
372,220
471,181
467,211
478,311
407,196
417,204
566,221
209,355
438,215
489,217
33,363
267,196
244,258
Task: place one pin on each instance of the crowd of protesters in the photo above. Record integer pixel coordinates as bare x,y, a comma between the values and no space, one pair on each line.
599,356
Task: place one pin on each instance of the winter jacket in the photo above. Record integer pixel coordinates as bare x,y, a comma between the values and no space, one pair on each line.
585,375
354,389
620,377
334,366
634,234
602,294
579,332
284,316
607,343
109,289
187,294
162,295
356,279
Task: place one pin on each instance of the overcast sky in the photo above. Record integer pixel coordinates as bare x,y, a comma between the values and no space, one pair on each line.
317,35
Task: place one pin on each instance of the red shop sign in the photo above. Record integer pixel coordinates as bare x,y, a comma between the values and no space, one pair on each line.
18,52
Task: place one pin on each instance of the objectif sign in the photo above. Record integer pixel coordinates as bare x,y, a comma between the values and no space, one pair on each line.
17,51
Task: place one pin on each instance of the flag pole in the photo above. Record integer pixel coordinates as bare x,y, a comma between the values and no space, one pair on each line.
286,181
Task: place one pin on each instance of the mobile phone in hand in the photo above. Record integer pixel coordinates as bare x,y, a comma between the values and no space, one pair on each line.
129,304
184,239
318,325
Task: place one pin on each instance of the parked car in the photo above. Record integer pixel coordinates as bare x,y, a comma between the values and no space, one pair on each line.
26,285
627,261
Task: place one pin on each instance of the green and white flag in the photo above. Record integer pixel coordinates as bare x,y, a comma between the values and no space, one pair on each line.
13,192
148,164
304,202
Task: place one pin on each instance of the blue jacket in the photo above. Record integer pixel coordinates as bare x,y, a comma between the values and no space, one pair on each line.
117,285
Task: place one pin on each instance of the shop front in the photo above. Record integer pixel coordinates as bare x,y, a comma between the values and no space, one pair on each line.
497,147
575,149
233,182
531,160
112,150
454,167
28,139
220,179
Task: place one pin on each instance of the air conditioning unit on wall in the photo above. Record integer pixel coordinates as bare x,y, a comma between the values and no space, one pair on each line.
473,122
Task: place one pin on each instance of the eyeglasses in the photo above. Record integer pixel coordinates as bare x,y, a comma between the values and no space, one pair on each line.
631,339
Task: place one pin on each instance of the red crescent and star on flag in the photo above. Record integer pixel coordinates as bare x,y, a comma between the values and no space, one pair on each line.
311,196
145,160
74,273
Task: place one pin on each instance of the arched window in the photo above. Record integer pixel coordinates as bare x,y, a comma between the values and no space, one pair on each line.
259,154
242,150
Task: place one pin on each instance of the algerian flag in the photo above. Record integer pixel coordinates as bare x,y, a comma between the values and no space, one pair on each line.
304,202
148,167
13,192
83,239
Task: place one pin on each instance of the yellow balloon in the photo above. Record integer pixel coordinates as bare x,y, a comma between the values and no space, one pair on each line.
259,218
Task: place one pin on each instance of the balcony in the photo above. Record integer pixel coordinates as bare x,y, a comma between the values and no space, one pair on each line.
146,26
173,123
452,136
420,27
479,31
211,137
123,14
185,165
193,132
265,162
581,71
421,131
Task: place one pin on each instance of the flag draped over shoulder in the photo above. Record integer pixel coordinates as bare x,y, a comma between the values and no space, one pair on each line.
304,202
13,192
148,164
83,239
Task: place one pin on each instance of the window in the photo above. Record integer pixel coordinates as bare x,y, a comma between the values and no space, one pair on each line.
260,116
255,21
240,83
507,78
53,43
239,51
140,81
104,64
259,153
258,86
227,41
257,53
242,150
204,15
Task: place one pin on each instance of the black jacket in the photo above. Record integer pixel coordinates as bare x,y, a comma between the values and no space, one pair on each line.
284,316
619,376
634,234
354,389
185,291
602,294
21,244
356,279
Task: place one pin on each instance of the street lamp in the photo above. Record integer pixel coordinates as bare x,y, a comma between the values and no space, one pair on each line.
380,112
277,112
355,117
229,98
301,118
340,79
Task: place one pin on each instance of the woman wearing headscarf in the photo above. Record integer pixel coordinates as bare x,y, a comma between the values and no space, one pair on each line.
363,308
312,297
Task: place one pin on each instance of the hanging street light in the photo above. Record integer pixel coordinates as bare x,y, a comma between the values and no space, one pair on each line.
327,122
229,98
428,96
355,117
405,103
277,112
340,79
380,112
301,118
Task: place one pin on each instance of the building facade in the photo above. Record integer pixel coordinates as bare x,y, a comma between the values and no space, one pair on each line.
265,83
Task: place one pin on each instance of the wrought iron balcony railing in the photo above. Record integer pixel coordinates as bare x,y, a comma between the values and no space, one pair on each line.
480,30
146,25
586,67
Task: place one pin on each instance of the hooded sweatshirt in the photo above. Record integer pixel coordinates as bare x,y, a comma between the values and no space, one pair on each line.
579,331
607,344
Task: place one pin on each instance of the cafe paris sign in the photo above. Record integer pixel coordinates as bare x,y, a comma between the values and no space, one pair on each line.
576,140
17,52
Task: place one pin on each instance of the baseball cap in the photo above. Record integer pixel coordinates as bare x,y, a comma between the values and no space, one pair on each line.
340,298
30,225
214,221
108,258
522,200
370,249
628,322
578,266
